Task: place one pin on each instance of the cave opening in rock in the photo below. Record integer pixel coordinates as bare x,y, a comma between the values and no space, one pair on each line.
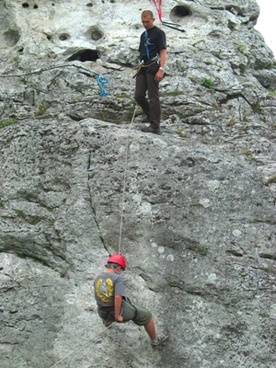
179,12
85,55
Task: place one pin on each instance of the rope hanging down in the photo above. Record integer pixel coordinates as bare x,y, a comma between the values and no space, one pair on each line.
158,6
124,182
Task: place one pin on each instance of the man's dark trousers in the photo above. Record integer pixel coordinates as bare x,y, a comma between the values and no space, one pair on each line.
145,82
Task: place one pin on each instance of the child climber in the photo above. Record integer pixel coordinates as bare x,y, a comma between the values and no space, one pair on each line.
113,305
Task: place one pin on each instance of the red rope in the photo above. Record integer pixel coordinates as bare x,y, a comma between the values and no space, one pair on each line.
158,6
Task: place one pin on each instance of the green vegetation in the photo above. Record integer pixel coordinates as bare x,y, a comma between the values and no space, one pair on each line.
200,250
42,108
271,65
177,92
32,220
272,93
207,82
268,269
256,107
182,134
247,152
242,49
243,68
8,122
272,180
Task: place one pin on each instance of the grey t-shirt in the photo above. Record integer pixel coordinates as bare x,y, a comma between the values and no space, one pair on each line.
106,286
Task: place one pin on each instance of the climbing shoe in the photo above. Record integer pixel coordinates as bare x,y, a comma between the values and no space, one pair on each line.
151,130
160,339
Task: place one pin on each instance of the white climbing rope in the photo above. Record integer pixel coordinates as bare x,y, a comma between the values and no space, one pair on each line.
124,182
80,347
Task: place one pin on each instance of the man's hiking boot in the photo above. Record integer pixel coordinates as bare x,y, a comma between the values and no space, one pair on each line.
151,130
160,339
145,119
107,323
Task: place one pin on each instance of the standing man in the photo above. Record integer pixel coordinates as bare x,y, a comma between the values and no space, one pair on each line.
113,306
152,58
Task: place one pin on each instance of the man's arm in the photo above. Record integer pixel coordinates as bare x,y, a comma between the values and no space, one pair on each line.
159,75
163,56
117,308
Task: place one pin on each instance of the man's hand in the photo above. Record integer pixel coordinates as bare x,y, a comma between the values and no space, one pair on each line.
117,309
119,319
159,75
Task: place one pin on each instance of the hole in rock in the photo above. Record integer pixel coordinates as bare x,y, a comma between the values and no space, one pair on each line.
64,36
179,12
89,4
25,5
11,37
85,55
94,33
35,6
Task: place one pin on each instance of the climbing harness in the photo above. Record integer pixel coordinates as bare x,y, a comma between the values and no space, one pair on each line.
101,83
158,6
80,347
124,182
142,65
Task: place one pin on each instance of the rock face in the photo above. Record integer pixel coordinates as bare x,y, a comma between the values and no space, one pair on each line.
193,210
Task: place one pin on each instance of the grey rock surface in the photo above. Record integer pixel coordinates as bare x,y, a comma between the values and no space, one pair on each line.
193,210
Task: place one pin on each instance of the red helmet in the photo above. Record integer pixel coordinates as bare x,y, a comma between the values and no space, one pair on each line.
118,259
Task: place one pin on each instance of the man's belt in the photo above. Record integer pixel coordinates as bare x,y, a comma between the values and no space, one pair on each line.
106,309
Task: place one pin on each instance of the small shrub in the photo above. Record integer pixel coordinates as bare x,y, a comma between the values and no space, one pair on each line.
8,122
271,65
32,220
177,92
242,49
42,108
272,180
257,107
208,82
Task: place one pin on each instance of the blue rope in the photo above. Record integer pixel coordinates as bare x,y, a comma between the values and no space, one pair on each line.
101,83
